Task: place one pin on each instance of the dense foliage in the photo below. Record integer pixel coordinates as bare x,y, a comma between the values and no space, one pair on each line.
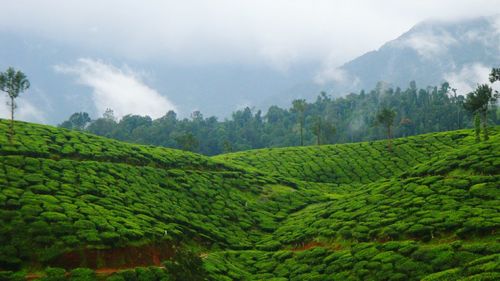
326,120
427,210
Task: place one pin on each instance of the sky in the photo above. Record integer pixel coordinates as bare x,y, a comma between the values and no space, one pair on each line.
278,34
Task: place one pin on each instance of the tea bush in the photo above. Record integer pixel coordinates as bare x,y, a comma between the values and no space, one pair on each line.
429,210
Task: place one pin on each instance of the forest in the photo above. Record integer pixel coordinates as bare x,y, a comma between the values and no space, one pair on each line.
327,120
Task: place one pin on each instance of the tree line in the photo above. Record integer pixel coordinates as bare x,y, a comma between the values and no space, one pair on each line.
383,112
327,120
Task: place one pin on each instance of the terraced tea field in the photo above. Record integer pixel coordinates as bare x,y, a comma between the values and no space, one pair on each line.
350,163
429,210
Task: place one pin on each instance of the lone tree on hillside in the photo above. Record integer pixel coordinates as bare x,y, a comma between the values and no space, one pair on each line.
385,117
299,107
478,102
13,83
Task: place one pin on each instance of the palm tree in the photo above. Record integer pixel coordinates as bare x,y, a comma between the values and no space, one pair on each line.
13,83
385,117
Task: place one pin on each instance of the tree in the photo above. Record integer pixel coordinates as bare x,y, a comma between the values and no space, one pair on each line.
187,141
109,114
186,265
77,121
477,102
105,125
323,130
299,107
316,129
477,127
495,75
385,117
13,83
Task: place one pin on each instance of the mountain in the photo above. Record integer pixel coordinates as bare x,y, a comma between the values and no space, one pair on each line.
460,52
428,210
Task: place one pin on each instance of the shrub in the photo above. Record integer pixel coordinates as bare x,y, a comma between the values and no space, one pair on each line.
54,274
186,265
82,274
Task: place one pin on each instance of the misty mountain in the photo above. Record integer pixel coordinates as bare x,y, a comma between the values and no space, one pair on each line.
430,53
461,52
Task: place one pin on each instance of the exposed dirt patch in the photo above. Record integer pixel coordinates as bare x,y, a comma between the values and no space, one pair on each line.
307,246
115,258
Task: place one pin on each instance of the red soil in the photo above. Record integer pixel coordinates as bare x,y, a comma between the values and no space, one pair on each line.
108,261
116,258
313,244
307,246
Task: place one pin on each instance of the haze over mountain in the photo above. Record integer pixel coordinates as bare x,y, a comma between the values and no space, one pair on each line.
228,56
460,52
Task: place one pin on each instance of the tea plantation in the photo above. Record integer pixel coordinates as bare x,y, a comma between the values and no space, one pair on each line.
71,203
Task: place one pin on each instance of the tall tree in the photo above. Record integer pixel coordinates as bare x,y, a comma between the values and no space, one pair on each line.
77,121
495,75
477,127
478,102
187,141
299,107
385,117
13,83
323,130
316,129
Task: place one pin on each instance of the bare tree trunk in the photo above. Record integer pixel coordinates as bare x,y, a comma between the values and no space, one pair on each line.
301,135
319,133
485,125
477,127
389,141
12,107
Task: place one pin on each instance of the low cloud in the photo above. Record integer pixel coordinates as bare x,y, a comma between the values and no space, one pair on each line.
121,89
280,33
468,77
331,74
429,44
25,110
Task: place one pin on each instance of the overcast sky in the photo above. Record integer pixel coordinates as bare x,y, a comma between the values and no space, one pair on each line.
272,33
275,32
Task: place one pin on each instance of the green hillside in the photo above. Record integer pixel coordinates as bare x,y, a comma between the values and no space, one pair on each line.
362,162
429,210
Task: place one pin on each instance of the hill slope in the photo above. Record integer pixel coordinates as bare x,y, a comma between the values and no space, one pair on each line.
350,163
356,212
63,190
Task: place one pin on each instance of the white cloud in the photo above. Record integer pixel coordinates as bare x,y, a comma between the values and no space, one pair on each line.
279,32
331,73
430,44
25,110
468,77
119,89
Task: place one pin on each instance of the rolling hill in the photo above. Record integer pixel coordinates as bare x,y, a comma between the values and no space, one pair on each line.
429,210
